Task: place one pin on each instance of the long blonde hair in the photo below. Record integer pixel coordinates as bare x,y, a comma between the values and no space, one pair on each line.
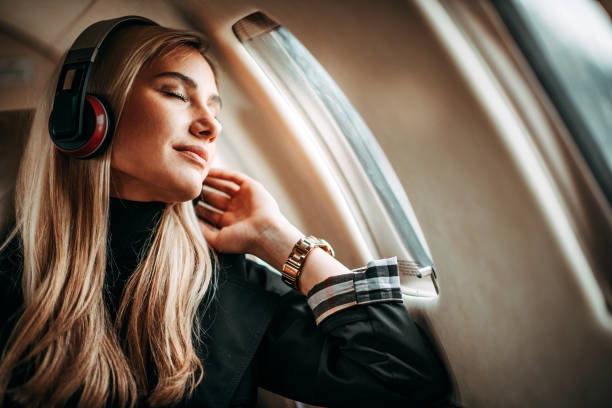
65,338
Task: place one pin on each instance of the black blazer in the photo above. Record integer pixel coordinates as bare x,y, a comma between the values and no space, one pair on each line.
261,333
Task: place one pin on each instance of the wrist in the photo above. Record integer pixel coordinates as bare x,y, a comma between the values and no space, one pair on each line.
276,242
295,265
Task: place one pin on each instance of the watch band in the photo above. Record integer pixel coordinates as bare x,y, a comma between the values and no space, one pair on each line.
292,269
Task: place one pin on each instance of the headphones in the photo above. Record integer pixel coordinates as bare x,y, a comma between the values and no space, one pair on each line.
80,124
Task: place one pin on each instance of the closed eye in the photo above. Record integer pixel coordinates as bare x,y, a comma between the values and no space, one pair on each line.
176,95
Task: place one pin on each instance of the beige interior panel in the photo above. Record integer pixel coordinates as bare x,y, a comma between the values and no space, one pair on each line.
24,71
158,10
46,20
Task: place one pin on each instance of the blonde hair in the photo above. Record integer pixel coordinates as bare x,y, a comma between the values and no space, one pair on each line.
64,337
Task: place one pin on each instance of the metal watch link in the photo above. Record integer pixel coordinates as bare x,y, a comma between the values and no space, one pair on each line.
292,269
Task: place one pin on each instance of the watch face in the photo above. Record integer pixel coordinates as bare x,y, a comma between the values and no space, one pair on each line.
312,241
326,245
307,241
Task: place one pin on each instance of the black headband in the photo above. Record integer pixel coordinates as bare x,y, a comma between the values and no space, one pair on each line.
66,121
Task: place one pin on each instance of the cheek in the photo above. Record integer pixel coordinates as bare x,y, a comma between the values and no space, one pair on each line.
212,152
141,138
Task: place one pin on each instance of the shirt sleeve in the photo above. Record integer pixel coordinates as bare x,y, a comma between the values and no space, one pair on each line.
366,352
375,283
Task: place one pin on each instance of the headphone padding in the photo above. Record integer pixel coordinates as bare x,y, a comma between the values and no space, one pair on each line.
96,124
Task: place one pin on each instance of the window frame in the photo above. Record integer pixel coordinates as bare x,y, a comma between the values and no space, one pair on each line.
527,41
341,151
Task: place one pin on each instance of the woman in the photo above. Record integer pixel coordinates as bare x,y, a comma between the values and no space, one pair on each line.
110,293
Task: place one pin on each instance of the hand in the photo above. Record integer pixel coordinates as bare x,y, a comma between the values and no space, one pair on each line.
248,221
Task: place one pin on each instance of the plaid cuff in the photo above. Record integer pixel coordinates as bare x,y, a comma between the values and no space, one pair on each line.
376,282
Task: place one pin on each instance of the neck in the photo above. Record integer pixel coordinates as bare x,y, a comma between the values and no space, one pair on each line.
128,187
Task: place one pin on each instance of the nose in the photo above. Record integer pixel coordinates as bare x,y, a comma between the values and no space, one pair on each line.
205,126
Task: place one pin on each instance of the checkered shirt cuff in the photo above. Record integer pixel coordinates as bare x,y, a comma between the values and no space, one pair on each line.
374,283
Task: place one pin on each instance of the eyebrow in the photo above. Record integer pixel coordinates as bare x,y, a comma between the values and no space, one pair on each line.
213,99
188,81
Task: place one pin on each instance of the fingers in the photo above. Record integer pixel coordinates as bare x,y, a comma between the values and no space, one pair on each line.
215,199
210,233
208,213
230,175
228,187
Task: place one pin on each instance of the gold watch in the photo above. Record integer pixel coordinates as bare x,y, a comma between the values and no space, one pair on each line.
292,269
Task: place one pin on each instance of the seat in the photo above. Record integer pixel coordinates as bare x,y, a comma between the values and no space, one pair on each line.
14,128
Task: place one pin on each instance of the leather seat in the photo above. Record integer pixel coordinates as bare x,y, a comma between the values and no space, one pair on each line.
14,128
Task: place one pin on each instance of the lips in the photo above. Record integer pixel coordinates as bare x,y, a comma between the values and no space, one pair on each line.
195,152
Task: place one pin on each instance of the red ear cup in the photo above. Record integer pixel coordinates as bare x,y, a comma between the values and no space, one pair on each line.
96,124
79,124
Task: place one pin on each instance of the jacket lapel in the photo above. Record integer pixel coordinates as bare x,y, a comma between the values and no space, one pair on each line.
236,322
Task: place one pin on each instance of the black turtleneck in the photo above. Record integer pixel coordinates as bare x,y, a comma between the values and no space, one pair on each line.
132,225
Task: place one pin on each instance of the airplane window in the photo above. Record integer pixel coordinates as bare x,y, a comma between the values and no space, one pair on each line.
365,176
570,49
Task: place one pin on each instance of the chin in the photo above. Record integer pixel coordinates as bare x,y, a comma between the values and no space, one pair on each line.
182,190
185,186
187,194
192,192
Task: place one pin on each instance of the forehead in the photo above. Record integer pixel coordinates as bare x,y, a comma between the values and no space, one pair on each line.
187,61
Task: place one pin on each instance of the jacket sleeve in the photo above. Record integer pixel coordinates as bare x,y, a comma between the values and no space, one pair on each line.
355,345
